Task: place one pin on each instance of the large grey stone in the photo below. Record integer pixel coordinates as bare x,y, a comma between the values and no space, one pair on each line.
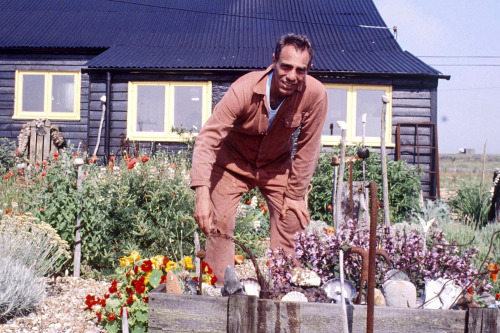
400,294
232,285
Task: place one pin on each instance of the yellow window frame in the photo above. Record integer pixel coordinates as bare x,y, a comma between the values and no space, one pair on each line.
47,103
167,134
351,116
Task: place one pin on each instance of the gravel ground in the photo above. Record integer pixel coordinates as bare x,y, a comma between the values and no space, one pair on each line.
62,310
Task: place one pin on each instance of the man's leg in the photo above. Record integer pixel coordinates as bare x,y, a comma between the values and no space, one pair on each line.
227,189
283,230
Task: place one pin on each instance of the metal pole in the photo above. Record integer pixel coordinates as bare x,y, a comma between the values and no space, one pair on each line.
372,248
383,153
342,293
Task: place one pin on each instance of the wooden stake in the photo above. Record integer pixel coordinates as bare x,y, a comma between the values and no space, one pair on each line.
383,153
340,184
78,238
342,293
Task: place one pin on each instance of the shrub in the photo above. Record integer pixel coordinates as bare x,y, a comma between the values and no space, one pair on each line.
252,226
29,250
403,181
136,277
472,202
318,250
7,158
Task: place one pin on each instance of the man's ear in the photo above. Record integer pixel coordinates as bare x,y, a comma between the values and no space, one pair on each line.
274,59
310,67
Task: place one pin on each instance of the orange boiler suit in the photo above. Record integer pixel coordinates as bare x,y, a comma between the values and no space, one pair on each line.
235,152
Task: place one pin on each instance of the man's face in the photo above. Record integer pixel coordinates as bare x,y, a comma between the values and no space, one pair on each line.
290,70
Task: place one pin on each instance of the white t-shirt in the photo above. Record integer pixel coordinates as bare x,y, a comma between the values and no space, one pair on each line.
272,113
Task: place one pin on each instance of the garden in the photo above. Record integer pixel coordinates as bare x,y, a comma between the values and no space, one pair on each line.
137,230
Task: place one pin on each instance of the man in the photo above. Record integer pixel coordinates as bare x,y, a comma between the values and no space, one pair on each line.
247,143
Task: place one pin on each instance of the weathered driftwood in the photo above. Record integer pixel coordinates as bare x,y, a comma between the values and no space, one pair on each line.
238,313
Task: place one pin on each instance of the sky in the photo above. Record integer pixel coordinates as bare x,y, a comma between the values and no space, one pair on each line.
469,103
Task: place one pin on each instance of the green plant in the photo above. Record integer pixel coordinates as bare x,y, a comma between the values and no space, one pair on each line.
252,226
29,250
471,202
403,181
7,158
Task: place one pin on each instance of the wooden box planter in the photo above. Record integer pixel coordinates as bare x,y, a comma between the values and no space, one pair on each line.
248,314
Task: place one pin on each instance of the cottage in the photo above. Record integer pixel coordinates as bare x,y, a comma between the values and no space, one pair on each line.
164,64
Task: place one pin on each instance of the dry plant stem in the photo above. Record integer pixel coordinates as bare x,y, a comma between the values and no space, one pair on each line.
262,282
340,184
383,155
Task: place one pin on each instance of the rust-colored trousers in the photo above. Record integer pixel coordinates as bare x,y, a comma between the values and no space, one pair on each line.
226,192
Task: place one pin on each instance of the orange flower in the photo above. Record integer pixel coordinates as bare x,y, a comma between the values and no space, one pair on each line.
238,258
493,268
264,209
93,159
131,163
112,158
497,297
111,316
21,171
329,207
56,154
249,202
329,231
8,211
262,204
470,291
145,158
111,165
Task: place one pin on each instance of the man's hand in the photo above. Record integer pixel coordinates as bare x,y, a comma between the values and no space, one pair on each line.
298,207
203,210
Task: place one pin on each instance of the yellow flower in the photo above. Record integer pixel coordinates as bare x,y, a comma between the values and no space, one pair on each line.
187,263
171,265
135,256
157,262
126,262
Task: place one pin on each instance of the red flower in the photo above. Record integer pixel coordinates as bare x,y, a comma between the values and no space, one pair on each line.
8,211
165,261
172,166
44,162
131,163
93,159
90,301
7,176
56,154
130,300
99,316
144,159
195,278
213,280
146,299
111,316
113,289
136,270
106,296
470,290
112,158
329,207
111,165
147,266
102,302
75,154
44,173
206,268
21,171
163,279
140,287
262,204
497,297
121,310
114,283
55,159
249,202
264,209
129,290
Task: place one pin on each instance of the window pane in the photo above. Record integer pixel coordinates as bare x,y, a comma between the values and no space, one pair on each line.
369,102
33,92
150,108
63,91
337,110
188,107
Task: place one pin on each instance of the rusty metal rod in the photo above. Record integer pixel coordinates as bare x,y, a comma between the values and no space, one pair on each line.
351,195
372,249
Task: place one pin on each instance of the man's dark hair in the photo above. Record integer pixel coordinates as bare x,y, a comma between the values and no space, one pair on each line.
301,42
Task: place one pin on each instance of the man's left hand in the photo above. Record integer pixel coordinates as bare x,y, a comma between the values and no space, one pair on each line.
298,207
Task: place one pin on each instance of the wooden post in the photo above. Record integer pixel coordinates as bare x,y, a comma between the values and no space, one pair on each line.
372,249
78,238
383,153
340,184
242,314
197,261
482,320
366,216
342,293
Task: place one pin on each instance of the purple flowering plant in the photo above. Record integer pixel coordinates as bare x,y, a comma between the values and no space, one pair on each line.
319,251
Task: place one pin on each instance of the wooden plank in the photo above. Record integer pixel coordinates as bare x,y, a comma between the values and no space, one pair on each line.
407,102
242,314
176,313
32,155
46,141
489,321
417,112
411,93
474,319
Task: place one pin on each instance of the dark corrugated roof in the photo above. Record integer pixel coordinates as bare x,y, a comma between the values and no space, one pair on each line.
203,34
